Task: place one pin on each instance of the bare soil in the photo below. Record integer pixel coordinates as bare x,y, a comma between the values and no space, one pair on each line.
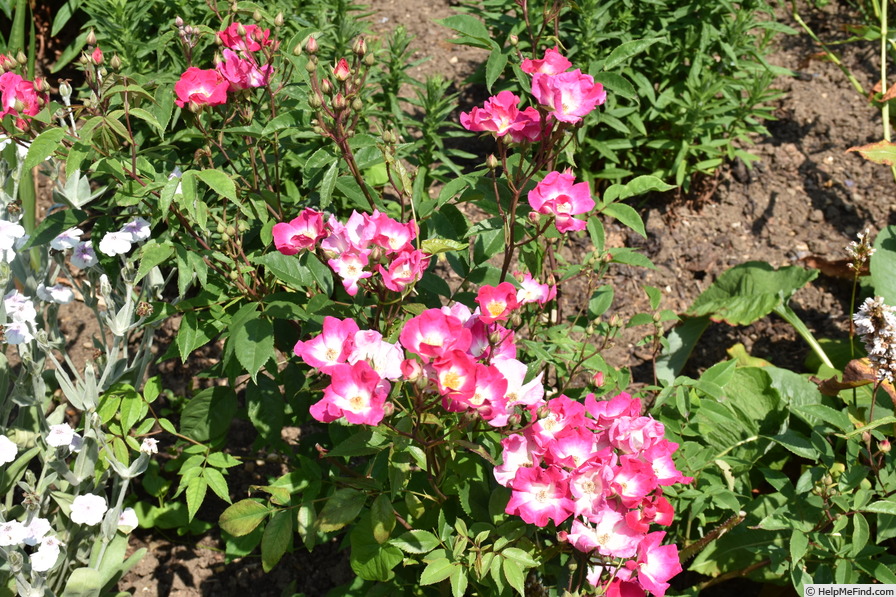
805,197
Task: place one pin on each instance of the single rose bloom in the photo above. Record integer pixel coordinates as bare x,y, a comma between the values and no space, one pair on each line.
201,87
569,96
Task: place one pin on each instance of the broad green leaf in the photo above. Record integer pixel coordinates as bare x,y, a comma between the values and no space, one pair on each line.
458,582
207,416
882,152
471,27
627,215
43,147
861,533
416,542
153,254
328,184
436,571
616,84
750,291
799,545
636,186
83,582
513,572
883,265
494,66
219,182
887,506
287,268
277,539
369,559
382,518
253,343
626,50
320,272
196,489
217,482
340,509
306,525
434,246
242,517
53,225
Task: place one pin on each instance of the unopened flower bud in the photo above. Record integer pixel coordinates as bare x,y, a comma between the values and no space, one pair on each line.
491,161
388,409
241,30
314,102
65,90
514,420
615,321
514,40
115,63
297,50
310,66
884,446
359,47
41,85
357,104
369,60
21,58
534,217
866,437
178,22
96,56
342,71
339,102
598,379
278,20
311,45
326,87
317,130
91,38
256,16
102,72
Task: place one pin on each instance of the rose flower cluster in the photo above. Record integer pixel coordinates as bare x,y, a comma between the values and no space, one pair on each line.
366,244
603,465
243,67
18,96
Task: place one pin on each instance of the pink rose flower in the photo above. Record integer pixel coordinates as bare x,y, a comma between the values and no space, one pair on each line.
569,96
19,97
557,195
243,73
501,115
553,63
302,232
201,87
252,41
356,392
497,302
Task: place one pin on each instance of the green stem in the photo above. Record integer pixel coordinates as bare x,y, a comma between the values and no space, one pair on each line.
793,319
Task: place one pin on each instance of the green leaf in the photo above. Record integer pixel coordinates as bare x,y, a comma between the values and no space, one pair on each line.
328,184
147,117
882,152
242,517
750,291
518,555
616,84
207,416
277,539
382,518
799,545
306,525
320,272
458,582
196,489
514,574
494,66
434,246
636,186
218,483
883,265
887,506
469,26
153,254
219,182
626,50
796,443
83,582
627,215
340,509
416,542
287,268
436,571
253,343
860,535
369,559
43,147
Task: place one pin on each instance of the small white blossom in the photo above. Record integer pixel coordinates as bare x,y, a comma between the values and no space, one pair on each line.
127,520
69,239
8,450
17,333
19,308
58,293
84,255
115,243
10,232
88,509
46,555
149,446
138,228
36,531
12,532
60,435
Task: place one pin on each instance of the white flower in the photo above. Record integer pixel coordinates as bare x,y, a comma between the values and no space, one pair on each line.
127,520
115,243
9,232
84,255
69,239
36,531
88,509
12,533
58,293
46,555
60,435
8,450
19,308
138,228
150,446
17,333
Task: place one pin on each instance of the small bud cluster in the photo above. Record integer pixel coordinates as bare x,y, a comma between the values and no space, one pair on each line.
876,325
337,97
860,251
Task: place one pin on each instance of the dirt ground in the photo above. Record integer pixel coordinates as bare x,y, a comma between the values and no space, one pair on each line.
805,197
